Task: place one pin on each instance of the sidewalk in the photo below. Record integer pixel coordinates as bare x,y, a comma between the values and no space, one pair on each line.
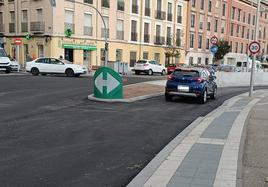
210,151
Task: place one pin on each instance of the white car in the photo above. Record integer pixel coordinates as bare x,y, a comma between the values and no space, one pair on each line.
15,66
149,67
45,66
4,61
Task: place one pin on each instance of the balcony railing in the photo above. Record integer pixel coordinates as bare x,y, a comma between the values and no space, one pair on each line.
147,12
134,36
135,9
168,42
160,15
88,31
103,32
159,40
12,28
179,19
146,38
120,35
38,27
178,42
169,17
24,27
2,28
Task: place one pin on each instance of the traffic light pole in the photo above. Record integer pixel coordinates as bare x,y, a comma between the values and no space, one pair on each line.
254,56
53,4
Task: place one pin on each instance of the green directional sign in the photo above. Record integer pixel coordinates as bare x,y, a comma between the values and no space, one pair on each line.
108,84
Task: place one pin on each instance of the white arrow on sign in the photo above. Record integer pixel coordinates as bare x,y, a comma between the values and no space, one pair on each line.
111,83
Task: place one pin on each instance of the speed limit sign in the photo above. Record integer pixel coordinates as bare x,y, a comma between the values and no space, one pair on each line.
254,47
214,40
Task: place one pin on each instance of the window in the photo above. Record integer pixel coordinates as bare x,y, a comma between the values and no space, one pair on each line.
135,8
145,55
249,18
39,14
119,55
199,60
179,17
103,31
1,18
253,21
201,23
178,37
157,58
232,29
193,3
207,43
233,12
242,48
200,38
243,31
210,5
239,14
202,4
217,7
236,47
120,29
216,25
88,25
193,20
88,1
24,16
209,24
248,34
105,3
12,17
169,17
40,51
146,38
223,9
206,61
168,40
120,5
192,40
231,45
69,20
133,30
237,30
147,11
191,61
252,34
222,26
244,17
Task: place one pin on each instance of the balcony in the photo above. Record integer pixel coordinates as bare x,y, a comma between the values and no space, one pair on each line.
103,32
146,38
169,17
169,41
134,36
88,31
161,15
147,12
135,9
24,27
120,35
12,28
2,28
38,27
159,40
179,19
178,42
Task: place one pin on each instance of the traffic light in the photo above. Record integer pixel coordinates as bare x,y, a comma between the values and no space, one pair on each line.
106,46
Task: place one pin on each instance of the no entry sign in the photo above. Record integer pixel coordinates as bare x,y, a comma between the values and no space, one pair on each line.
214,40
18,41
254,47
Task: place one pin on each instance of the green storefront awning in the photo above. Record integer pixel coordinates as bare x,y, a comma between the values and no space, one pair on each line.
80,47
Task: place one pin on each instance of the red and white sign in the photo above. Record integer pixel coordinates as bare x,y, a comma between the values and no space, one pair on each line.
18,41
214,40
254,47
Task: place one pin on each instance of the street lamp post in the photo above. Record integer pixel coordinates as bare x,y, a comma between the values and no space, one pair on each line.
53,3
254,56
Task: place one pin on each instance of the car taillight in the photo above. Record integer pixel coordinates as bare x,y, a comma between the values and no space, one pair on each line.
170,77
199,80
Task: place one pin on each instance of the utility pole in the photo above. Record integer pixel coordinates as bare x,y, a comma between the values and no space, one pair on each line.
254,56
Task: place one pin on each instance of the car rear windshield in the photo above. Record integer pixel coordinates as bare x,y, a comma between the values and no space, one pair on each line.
184,73
141,61
2,53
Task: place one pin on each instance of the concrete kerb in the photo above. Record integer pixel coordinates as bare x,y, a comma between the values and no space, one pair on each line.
149,170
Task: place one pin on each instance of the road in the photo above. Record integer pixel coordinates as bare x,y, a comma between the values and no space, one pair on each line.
51,135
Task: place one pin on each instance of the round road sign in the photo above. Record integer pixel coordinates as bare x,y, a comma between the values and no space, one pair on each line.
254,47
214,49
18,41
214,40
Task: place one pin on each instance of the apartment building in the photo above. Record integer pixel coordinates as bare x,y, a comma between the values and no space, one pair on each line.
137,29
206,18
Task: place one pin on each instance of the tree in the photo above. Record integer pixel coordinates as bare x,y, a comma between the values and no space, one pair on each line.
172,50
223,49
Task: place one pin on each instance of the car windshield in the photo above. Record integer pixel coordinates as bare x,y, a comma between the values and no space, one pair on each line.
141,61
2,53
184,73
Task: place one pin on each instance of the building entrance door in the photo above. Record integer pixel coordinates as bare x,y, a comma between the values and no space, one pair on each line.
69,55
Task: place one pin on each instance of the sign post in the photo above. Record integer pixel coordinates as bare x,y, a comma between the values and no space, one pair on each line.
18,42
108,84
214,41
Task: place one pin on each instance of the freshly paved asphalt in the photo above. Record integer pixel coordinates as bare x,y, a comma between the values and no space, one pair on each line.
51,135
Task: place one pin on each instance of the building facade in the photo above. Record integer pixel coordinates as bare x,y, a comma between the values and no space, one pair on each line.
137,29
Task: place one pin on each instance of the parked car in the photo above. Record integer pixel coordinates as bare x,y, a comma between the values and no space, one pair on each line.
191,82
4,61
149,67
15,66
172,67
45,66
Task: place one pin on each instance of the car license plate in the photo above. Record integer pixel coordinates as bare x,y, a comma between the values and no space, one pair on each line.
183,88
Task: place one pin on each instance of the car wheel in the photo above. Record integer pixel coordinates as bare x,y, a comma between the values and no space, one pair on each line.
203,98
214,95
35,71
168,97
8,70
69,73
163,72
43,74
137,72
150,72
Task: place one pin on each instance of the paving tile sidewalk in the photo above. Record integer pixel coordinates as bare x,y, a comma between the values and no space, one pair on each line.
208,152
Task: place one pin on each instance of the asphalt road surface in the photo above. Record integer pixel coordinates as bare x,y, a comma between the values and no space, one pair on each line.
51,135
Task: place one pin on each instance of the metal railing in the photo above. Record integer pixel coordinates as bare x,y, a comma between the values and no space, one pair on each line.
159,40
88,31
168,41
37,26
161,15
169,17
179,19
134,36
2,28
12,28
178,42
120,35
146,38
24,27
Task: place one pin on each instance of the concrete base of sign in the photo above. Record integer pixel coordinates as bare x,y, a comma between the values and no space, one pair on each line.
133,99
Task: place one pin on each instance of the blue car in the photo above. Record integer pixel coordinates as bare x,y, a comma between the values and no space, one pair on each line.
191,82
